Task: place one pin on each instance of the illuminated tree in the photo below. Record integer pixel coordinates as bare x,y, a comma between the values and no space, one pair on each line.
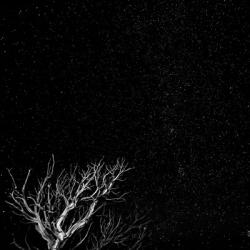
76,202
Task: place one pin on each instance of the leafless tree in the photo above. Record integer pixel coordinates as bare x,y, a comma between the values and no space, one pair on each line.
60,208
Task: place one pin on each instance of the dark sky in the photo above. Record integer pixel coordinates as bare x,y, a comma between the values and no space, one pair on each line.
163,85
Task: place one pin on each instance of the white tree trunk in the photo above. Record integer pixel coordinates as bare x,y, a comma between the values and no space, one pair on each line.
56,245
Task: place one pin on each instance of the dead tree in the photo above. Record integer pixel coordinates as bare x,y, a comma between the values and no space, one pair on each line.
61,208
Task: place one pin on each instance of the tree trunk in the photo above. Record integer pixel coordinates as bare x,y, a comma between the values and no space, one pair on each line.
56,245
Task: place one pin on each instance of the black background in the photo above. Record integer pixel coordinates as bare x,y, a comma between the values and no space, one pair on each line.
162,84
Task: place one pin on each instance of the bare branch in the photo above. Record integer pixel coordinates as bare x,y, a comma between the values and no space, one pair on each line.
27,177
83,239
114,230
17,245
12,178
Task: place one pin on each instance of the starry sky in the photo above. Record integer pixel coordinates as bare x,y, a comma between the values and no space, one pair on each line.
161,84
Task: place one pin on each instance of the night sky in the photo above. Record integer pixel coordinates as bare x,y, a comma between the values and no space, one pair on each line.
162,84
